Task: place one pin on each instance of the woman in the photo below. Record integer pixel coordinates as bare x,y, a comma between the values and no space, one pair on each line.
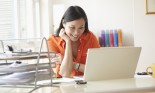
71,43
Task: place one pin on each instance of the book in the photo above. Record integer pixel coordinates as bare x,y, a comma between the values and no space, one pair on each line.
102,38
111,38
119,37
107,38
115,38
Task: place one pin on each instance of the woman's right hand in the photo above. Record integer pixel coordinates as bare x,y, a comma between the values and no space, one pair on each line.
63,35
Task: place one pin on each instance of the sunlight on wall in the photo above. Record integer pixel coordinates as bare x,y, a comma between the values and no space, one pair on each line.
58,11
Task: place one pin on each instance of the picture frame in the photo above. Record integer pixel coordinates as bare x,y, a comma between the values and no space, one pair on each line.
150,6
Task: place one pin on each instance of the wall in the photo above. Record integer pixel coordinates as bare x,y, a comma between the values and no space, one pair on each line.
45,17
107,14
144,33
138,28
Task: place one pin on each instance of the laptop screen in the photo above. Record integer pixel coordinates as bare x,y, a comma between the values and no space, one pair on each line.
111,63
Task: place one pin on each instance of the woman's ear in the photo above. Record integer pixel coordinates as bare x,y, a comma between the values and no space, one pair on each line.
63,23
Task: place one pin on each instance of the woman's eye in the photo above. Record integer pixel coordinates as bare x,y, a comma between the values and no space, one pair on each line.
72,27
81,27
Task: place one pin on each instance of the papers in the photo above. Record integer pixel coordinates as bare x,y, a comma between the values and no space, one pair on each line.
58,81
23,67
62,80
67,80
20,74
78,77
22,56
28,74
27,77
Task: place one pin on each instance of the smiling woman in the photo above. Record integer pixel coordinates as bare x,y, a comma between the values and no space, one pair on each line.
71,41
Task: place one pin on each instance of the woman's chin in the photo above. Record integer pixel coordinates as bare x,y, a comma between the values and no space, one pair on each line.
74,39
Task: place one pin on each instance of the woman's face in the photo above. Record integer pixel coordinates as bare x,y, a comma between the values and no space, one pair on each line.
74,29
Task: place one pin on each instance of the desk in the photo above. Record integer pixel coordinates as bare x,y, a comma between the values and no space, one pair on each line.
132,85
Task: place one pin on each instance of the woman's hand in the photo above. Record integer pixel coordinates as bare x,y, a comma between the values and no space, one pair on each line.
57,58
63,35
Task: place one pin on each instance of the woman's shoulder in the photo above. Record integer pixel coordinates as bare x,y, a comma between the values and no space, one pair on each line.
54,37
89,34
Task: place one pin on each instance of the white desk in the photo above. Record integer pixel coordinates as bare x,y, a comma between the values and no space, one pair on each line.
133,85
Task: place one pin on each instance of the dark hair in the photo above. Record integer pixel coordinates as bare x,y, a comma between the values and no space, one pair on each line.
71,14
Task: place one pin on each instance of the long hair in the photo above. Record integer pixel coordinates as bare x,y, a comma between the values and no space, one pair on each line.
71,14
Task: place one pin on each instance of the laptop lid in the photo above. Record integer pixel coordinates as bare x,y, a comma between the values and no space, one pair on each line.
111,63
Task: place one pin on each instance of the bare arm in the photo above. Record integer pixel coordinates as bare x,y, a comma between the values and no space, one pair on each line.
67,62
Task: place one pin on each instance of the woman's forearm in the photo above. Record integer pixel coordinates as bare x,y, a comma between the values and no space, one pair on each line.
67,62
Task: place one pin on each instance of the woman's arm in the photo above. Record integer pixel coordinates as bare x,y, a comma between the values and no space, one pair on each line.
67,62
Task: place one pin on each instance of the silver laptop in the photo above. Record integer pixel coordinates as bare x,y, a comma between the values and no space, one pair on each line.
111,63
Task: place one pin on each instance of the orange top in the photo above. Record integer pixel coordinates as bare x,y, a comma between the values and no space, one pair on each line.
87,40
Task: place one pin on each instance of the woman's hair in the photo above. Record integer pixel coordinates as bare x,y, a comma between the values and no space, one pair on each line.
71,14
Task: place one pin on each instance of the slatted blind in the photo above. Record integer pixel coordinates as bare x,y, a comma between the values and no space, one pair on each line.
6,19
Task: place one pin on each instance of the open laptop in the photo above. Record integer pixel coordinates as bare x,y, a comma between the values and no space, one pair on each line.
111,63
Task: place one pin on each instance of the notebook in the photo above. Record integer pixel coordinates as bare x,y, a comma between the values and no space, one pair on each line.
111,63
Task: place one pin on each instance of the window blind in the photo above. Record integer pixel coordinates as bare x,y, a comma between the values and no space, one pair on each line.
6,19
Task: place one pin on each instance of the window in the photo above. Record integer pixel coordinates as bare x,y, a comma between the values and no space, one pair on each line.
19,19
6,19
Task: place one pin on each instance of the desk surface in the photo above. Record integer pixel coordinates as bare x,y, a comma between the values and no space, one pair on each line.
132,85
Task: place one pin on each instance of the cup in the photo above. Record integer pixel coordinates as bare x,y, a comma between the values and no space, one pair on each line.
152,69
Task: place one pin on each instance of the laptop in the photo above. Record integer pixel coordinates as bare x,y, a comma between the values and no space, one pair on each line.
111,63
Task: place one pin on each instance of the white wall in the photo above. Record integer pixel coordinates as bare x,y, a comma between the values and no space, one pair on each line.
138,28
46,24
107,14
144,33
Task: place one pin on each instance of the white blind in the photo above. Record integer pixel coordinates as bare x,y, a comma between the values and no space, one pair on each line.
6,19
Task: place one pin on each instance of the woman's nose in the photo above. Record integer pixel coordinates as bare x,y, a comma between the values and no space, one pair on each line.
77,32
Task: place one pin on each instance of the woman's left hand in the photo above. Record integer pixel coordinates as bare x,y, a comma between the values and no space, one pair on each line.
58,58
